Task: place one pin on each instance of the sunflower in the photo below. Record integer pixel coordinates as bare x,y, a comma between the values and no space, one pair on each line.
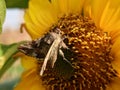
92,31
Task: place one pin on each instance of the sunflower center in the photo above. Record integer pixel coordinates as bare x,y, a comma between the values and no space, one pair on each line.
90,56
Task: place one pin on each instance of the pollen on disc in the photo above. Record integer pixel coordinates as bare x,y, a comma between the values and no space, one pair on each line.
90,57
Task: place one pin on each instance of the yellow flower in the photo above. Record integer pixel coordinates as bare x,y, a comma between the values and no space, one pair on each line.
94,37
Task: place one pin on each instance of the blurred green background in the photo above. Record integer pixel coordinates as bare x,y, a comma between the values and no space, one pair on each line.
11,77
11,34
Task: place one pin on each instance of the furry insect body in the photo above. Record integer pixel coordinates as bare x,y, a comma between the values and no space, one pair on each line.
50,48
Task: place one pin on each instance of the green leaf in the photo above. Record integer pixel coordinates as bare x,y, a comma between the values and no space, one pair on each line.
16,3
9,85
2,13
6,56
0,27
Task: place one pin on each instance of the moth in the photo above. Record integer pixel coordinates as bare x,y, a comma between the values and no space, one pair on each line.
52,50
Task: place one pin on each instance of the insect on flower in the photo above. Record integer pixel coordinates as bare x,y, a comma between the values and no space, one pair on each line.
80,50
50,48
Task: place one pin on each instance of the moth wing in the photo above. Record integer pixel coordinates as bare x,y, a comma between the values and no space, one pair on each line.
51,55
63,67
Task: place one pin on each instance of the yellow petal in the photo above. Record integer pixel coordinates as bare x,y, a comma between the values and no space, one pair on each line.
39,17
63,4
30,81
116,47
28,62
116,62
42,15
115,85
105,14
97,7
76,5
115,34
71,6
87,8
110,19
116,53
68,6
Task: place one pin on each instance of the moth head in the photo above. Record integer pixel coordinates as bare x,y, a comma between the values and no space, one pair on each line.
28,48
